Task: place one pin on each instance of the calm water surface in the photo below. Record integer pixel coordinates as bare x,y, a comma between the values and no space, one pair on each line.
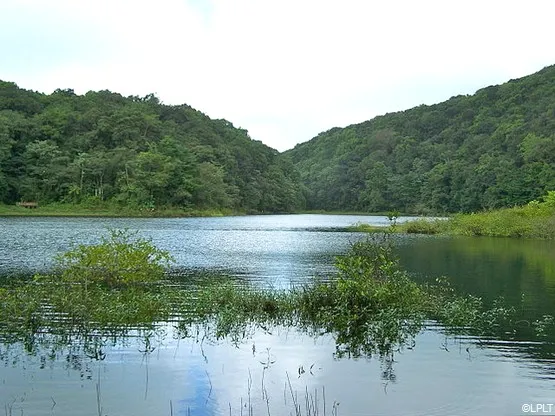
270,247
441,375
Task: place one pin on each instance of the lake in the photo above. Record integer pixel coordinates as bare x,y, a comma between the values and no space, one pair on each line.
269,372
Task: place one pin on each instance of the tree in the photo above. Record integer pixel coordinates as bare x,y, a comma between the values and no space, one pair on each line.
46,173
211,190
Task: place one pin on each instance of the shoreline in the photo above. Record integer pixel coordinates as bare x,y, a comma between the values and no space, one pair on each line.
112,212
76,211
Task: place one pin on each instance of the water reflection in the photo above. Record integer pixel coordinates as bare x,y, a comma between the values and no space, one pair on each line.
522,271
441,375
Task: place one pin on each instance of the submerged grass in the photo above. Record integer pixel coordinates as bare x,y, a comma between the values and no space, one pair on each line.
371,306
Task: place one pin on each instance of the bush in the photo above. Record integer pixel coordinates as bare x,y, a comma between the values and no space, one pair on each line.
102,287
118,261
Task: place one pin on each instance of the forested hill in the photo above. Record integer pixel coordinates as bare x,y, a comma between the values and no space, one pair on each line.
493,149
135,152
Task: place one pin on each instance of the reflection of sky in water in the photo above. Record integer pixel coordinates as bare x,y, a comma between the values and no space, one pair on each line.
198,401
439,376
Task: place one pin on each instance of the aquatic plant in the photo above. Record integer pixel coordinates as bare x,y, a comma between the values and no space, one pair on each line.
100,289
119,260
371,306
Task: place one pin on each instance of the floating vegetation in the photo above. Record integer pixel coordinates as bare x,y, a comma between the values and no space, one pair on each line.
119,286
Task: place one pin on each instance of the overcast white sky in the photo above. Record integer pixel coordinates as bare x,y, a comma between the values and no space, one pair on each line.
285,70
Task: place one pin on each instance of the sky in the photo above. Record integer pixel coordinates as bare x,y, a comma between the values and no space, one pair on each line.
285,70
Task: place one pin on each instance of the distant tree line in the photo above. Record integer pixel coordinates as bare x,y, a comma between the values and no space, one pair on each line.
134,151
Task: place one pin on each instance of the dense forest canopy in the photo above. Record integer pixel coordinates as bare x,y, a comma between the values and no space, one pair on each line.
136,152
493,149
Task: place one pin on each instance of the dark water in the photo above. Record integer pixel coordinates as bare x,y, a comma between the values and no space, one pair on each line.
441,375
521,271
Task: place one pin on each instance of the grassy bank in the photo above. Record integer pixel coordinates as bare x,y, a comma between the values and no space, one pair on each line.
534,220
106,210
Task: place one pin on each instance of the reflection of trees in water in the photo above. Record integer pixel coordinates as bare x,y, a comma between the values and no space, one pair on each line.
77,350
489,268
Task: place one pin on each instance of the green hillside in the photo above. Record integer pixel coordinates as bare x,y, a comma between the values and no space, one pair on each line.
105,149
493,149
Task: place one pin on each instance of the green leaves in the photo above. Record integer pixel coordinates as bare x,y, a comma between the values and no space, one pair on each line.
494,149
107,150
118,261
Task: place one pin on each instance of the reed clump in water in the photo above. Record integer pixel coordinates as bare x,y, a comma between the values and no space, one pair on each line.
115,284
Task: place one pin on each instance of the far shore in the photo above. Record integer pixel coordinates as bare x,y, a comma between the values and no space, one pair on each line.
60,210
70,210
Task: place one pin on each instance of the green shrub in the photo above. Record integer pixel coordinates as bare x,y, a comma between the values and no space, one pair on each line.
118,261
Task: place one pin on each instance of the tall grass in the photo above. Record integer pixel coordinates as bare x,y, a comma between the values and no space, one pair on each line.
531,221
534,220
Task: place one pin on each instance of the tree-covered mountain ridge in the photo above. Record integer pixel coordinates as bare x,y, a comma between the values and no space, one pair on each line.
493,149
102,148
